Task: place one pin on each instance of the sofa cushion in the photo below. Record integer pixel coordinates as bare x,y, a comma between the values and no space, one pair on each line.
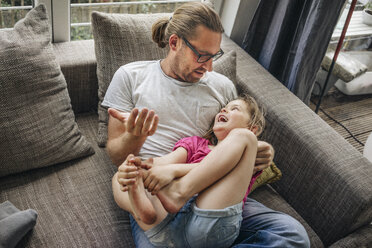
226,65
120,39
123,38
37,126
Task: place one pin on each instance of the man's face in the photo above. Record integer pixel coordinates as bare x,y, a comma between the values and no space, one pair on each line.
186,66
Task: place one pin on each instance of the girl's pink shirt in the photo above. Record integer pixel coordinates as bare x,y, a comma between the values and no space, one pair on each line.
197,148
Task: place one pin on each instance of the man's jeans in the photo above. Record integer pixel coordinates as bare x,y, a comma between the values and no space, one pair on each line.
261,227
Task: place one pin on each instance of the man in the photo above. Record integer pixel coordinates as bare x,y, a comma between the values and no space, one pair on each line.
184,95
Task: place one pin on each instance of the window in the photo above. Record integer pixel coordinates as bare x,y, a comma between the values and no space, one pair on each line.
70,19
358,35
81,12
12,11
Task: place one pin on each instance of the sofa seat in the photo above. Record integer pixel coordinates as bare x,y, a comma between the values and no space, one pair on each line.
73,200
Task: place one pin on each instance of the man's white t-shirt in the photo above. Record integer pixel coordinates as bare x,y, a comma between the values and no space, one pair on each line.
184,109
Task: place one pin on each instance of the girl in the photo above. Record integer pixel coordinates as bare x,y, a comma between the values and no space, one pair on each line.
197,190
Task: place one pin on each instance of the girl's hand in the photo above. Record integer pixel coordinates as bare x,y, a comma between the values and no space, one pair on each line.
158,177
147,164
265,156
128,171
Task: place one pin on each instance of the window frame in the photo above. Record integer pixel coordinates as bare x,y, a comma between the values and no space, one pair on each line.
59,12
59,16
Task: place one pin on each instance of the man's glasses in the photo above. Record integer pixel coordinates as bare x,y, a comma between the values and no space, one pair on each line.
202,58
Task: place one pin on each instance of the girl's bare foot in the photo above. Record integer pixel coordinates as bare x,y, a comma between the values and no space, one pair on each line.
141,204
171,197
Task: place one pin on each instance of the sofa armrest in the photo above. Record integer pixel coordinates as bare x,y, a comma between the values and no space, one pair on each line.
325,179
360,238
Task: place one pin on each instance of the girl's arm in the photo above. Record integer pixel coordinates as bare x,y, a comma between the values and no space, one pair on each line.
178,156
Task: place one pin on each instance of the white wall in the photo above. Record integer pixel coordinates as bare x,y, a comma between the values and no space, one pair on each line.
228,14
236,17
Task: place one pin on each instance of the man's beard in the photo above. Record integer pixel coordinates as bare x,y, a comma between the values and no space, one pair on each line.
179,70
188,77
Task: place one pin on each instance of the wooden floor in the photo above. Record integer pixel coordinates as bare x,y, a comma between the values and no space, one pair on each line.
354,112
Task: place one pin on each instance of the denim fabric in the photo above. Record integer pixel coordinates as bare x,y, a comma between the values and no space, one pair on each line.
220,227
140,239
139,236
261,227
198,228
264,227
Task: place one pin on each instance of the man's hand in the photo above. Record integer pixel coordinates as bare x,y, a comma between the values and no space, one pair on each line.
127,132
137,123
123,117
128,171
265,156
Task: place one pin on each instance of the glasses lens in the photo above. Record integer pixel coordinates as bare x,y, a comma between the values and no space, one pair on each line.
204,58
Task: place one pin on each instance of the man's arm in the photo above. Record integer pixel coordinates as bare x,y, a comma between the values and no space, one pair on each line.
265,156
127,132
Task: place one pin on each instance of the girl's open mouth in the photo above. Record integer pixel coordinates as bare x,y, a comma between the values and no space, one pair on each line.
222,118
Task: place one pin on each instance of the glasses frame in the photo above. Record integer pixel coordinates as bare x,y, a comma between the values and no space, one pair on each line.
202,58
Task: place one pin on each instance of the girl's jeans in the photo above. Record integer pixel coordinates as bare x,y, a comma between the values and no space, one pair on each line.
261,227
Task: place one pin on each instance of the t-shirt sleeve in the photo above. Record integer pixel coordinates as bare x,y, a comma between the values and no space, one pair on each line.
189,143
119,92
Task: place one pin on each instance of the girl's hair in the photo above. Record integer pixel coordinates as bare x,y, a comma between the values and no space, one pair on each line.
257,118
184,21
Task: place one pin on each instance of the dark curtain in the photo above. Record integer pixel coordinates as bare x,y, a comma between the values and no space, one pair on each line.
290,37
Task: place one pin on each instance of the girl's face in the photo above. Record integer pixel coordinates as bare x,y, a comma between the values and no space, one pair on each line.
234,115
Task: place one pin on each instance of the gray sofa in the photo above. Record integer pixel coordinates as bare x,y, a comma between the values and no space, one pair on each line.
326,183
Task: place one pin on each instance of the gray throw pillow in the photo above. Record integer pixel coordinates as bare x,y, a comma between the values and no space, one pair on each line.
123,38
226,65
37,125
14,224
120,39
